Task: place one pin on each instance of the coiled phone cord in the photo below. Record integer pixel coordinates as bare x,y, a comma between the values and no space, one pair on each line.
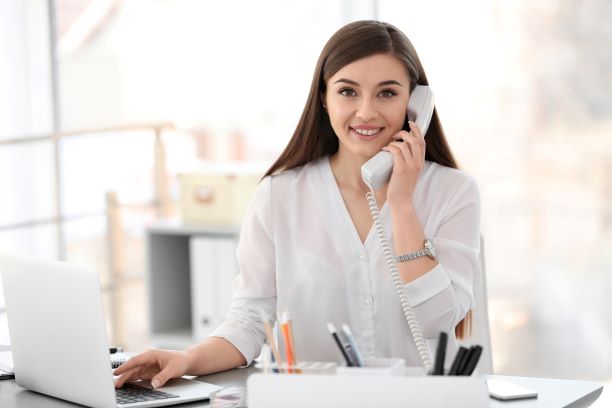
415,329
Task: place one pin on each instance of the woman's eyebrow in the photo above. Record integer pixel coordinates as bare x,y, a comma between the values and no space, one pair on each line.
387,82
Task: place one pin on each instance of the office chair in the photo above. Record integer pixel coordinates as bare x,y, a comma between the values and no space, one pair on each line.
481,332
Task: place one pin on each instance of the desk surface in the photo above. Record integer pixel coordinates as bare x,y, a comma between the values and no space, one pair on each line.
552,393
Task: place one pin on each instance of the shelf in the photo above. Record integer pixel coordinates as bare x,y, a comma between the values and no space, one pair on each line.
177,226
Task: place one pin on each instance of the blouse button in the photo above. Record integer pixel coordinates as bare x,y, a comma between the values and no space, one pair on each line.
363,257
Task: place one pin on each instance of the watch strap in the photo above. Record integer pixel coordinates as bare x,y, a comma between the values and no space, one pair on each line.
427,250
412,255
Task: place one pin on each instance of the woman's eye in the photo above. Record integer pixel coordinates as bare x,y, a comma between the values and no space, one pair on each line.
387,93
346,92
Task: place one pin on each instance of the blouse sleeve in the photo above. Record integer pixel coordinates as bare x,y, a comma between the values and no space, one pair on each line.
254,289
443,296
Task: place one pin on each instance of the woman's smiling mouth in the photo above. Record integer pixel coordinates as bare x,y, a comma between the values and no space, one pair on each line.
366,132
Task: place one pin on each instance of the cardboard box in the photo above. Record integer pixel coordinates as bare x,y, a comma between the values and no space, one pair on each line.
217,196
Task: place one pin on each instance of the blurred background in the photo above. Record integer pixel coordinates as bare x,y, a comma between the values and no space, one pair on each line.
104,104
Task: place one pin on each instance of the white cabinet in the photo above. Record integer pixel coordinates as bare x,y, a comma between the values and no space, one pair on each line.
189,278
213,269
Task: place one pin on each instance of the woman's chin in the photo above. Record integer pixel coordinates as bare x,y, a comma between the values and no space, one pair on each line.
367,154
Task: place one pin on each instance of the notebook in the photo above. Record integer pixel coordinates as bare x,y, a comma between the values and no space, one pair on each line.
53,305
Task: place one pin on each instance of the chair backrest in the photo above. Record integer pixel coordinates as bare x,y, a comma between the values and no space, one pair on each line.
481,332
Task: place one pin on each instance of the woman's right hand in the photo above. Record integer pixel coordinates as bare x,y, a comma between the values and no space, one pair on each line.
156,365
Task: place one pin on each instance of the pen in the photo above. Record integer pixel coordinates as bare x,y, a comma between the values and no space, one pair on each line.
472,360
356,354
332,330
114,350
270,337
440,354
458,361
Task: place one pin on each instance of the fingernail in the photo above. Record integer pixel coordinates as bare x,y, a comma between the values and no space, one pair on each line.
155,383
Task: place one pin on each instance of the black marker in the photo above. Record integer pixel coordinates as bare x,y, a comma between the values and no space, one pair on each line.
458,361
332,330
472,360
468,354
440,354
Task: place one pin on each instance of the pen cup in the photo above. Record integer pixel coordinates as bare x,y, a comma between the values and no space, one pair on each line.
377,366
305,367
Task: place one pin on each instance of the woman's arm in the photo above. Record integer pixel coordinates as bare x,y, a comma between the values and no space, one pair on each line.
212,355
408,237
443,294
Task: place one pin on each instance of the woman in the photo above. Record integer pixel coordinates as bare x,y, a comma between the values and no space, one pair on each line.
307,245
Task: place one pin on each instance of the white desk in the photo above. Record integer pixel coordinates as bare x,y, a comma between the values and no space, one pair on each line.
552,393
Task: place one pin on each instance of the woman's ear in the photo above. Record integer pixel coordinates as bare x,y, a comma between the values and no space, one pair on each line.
322,96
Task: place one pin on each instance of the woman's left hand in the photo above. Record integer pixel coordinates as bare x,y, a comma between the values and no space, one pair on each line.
408,159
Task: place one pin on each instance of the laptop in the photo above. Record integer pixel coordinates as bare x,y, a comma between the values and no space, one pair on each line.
6,372
59,344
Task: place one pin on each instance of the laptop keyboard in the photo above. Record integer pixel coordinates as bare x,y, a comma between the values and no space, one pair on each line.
130,393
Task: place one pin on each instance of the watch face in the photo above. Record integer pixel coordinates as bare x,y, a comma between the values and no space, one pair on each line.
430,247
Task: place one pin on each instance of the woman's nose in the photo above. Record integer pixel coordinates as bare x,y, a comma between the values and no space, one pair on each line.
366,110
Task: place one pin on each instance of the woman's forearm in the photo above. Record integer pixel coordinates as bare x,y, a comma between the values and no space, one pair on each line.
408,237
212,355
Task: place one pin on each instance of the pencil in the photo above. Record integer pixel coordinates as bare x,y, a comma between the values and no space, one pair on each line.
292,343
285,330
270,337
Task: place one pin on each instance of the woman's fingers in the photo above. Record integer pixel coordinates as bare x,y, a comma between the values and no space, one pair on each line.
157,365
398,156
169,371
138,373
409,146
126,376
415,130
135,361
142,366
417,135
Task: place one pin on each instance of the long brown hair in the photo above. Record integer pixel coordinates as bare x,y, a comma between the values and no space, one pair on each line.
314,137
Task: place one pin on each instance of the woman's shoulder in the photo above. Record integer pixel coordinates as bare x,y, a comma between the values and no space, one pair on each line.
440,171
448,180
288,179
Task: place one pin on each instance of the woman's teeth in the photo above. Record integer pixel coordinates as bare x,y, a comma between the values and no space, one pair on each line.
367,132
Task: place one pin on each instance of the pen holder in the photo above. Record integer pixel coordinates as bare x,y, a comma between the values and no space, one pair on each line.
376,366
305,367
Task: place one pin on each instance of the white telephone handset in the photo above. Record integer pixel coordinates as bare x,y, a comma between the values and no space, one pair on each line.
376,173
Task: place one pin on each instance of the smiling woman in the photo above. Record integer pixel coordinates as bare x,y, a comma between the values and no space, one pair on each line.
365,108
307,245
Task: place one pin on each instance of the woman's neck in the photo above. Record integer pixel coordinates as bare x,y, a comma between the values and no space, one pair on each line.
347,170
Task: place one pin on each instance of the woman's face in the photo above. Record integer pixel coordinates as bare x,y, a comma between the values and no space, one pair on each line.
366,101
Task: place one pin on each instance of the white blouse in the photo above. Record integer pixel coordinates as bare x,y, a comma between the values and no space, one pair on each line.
300,252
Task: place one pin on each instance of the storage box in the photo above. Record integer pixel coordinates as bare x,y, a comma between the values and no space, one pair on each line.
378,366
217,196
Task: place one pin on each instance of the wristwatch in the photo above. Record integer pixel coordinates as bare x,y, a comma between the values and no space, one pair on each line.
428,250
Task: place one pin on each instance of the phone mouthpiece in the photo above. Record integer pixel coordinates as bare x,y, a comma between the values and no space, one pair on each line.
377,171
